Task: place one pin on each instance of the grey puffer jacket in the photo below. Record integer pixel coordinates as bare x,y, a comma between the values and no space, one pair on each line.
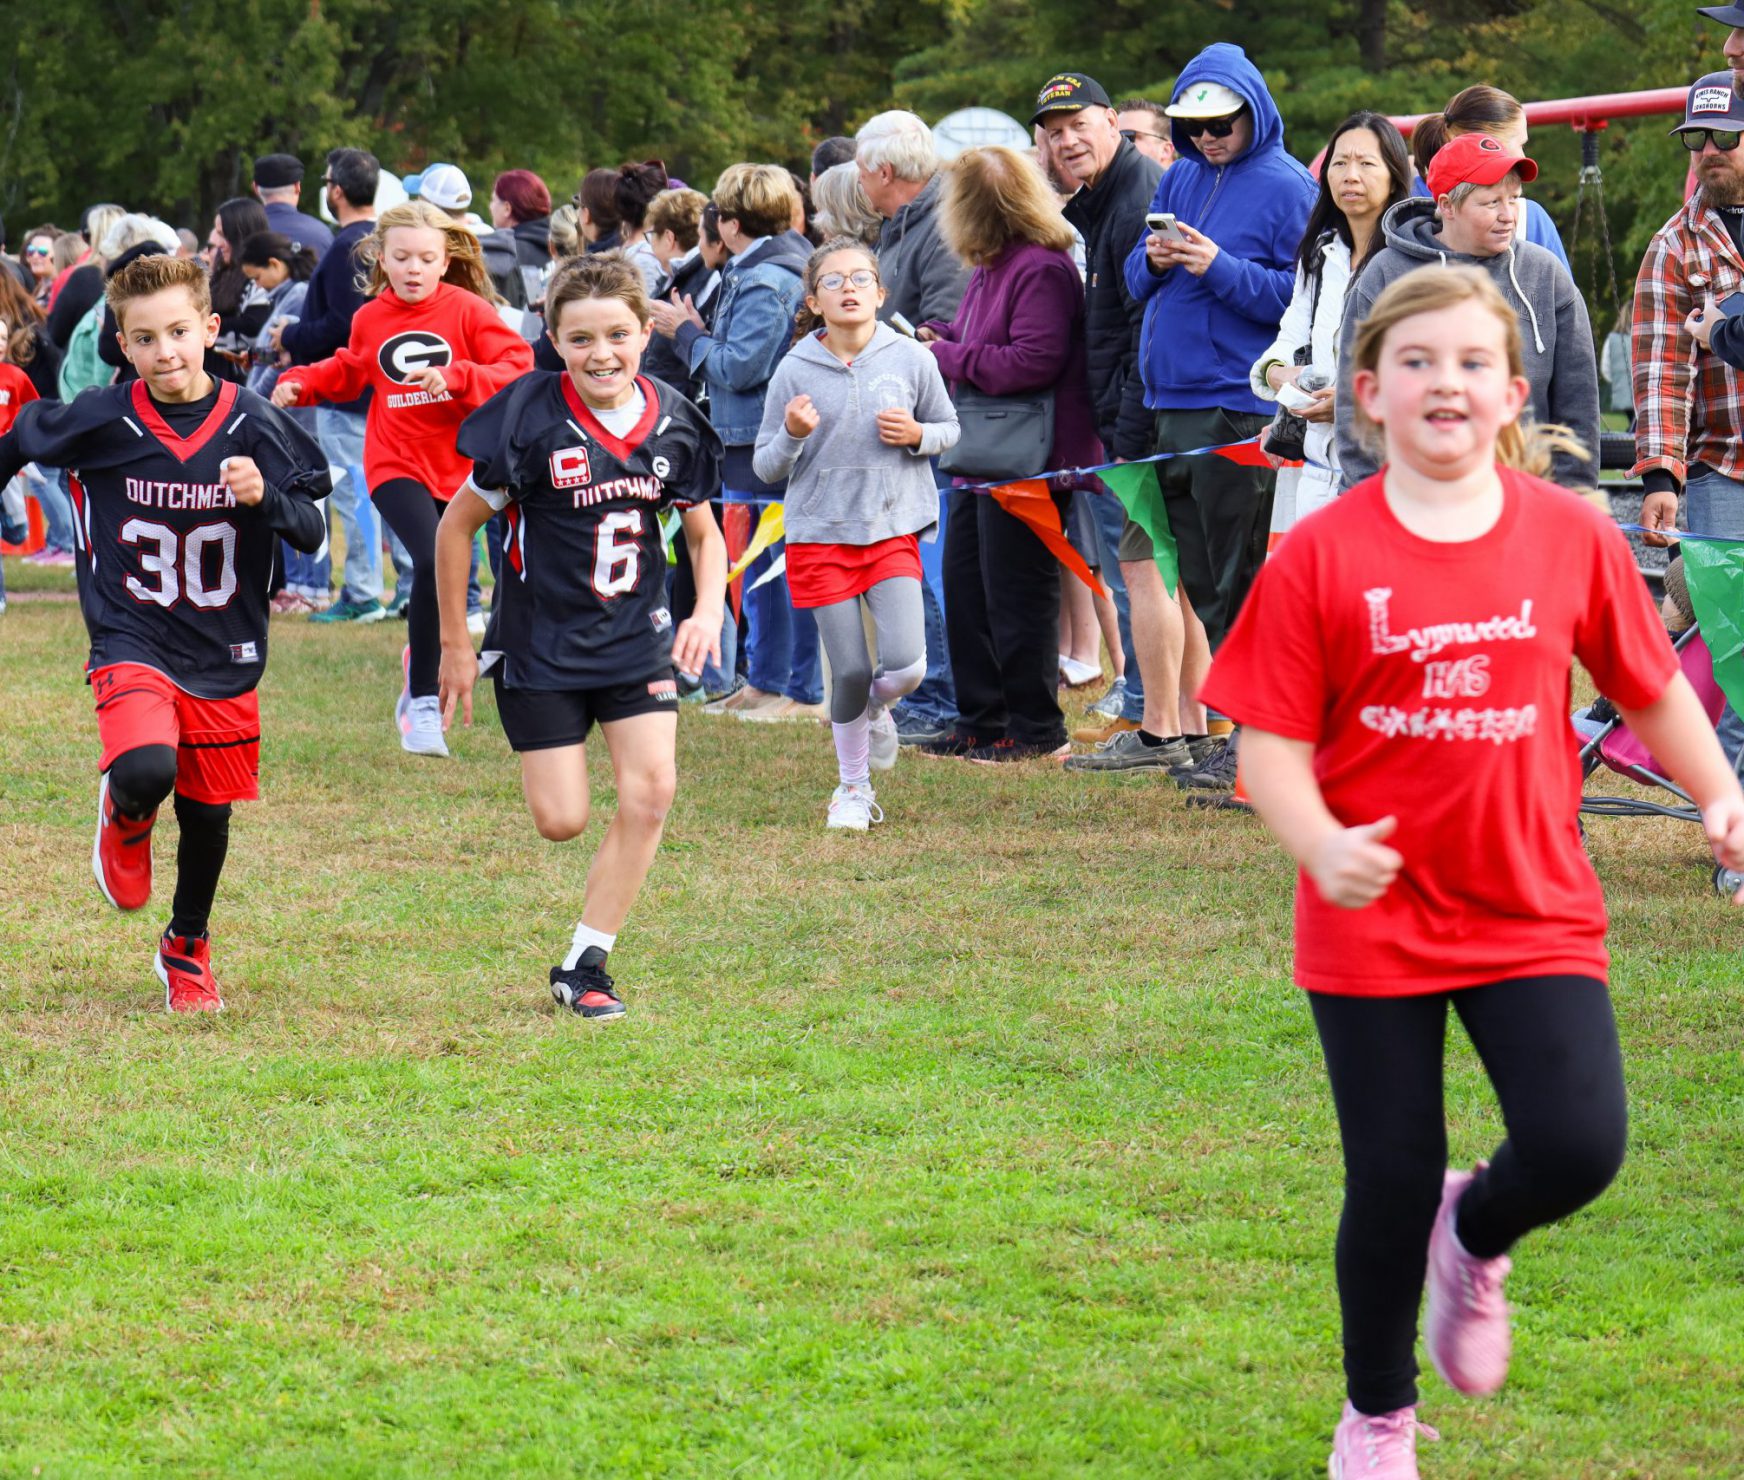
1556,340
923,278
845,486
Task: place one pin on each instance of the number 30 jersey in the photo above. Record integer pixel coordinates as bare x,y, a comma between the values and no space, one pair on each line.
173,572
581,599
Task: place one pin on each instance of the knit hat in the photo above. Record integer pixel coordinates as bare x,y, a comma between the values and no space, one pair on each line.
278,171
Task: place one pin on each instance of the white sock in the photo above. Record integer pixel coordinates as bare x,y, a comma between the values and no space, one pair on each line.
585,936
853,747
889,685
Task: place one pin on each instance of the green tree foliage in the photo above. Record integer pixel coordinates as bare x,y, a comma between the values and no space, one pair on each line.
165,102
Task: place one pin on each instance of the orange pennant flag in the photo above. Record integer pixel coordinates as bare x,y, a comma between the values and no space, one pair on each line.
1251,455
736,530
1028,500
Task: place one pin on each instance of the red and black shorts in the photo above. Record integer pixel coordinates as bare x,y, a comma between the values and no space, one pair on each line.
543,719
217,741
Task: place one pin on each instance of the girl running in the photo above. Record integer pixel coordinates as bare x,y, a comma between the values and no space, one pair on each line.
433,348
1402,667
583,460
853,447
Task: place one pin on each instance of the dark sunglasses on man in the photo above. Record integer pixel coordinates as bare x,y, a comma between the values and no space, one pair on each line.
1725,139
1136,134
1217,128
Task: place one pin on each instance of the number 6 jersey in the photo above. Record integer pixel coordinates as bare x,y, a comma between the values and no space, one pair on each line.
581,601
173,572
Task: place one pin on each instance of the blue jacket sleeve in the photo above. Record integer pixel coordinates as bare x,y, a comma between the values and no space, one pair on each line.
742,353
1541,229
335,299
1141,282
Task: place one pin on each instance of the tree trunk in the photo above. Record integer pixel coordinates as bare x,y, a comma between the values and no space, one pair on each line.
1372,35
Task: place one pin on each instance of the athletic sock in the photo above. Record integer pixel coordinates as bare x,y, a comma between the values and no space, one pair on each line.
587,937
853,751
1155,742
200,852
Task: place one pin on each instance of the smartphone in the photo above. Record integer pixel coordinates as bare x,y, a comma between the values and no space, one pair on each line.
901,325
1164,224
1732,305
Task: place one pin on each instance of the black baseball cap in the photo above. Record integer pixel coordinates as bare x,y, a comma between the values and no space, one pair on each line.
1726,15
276,171
1068,92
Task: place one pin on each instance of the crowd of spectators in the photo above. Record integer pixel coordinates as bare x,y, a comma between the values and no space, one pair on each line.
1165,276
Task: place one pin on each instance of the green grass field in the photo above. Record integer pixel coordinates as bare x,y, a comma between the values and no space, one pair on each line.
995,1143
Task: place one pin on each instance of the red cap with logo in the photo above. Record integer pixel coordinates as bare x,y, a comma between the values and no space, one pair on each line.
1474,159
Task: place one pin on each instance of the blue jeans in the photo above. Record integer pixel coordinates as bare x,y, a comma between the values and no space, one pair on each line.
935,700
48,487
1714,504
308,575
1110,519
341,436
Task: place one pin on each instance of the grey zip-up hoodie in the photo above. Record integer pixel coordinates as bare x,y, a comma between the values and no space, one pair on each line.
1556,341
844,486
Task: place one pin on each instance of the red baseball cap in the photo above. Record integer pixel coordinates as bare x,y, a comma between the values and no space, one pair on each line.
1474,159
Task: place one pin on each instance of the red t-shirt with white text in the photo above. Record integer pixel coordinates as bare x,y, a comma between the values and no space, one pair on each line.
1433,681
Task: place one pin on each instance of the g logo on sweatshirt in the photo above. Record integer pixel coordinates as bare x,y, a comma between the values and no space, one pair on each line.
412,353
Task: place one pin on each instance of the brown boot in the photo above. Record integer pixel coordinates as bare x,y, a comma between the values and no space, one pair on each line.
1096,734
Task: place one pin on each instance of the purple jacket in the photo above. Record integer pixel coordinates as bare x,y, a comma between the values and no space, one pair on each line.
1021,328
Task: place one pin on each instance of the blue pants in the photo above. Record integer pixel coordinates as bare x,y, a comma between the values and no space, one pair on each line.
341,436
1714,504
935,701
781,644
1110,518
48,486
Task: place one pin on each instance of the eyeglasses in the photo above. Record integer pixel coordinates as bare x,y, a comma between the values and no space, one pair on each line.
37,251
864,277
1725,139
1218,128
1136,134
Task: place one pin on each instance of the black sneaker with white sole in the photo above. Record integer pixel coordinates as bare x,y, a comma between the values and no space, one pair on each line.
1218,771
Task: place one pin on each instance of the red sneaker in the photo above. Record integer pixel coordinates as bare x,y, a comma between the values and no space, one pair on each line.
184,966
121,855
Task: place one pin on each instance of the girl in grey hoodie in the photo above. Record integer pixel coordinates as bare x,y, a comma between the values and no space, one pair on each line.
853,415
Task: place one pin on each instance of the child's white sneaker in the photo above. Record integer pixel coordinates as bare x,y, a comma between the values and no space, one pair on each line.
855,808
882,741
423,732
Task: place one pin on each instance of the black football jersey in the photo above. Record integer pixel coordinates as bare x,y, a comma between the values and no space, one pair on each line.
581,599
173,572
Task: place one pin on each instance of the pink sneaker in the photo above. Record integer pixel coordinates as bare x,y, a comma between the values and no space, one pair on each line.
1376,1448
1466,1327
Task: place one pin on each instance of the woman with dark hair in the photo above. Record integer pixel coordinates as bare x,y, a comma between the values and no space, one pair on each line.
1018,332
241,306
24,340
596,211
613,207
1364,172
1481,109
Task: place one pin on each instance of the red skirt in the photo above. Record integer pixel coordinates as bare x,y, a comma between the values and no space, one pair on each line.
822,575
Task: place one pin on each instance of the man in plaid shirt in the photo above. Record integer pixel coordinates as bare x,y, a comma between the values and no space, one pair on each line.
1689,403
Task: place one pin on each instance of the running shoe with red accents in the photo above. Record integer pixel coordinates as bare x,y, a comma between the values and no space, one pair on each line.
184,966
586,990
121,854
1466,1324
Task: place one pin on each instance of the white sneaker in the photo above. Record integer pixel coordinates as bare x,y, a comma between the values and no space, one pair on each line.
1076,675
881,738
475,623
423,734
855,808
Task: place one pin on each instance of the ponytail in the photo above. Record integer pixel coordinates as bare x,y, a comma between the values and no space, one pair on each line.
1479,109
271,246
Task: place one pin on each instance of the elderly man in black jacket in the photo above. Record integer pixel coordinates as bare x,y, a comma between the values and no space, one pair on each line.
1116,184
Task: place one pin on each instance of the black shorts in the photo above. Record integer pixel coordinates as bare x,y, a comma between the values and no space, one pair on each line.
542,719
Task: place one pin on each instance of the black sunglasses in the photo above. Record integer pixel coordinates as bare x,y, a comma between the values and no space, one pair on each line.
1218,128
1725,139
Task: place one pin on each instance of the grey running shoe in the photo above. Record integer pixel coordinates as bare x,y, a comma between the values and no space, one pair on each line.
1218,771
1111,703
1128,752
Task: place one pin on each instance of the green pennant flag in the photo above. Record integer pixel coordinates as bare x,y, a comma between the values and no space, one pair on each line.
1135,485
1714,573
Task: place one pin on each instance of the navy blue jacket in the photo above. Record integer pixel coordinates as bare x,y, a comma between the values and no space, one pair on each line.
333,298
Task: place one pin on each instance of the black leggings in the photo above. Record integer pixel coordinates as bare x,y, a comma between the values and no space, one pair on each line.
413,512
139,780
1549,1045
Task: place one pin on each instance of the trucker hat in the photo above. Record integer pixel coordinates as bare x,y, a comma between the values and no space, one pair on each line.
1474,159
443,185
1712,103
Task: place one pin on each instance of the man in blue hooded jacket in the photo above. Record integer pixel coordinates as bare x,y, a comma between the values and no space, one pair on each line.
1213,299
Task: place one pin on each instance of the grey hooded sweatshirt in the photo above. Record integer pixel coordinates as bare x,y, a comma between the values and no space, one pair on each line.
844,486
1556,341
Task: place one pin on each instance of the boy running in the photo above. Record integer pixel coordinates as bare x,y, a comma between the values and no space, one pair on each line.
181,486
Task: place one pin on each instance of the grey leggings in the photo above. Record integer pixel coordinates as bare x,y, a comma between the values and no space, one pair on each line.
900,622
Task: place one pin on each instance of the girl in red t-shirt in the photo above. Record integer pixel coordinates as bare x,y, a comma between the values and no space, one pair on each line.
432,348
1403,667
